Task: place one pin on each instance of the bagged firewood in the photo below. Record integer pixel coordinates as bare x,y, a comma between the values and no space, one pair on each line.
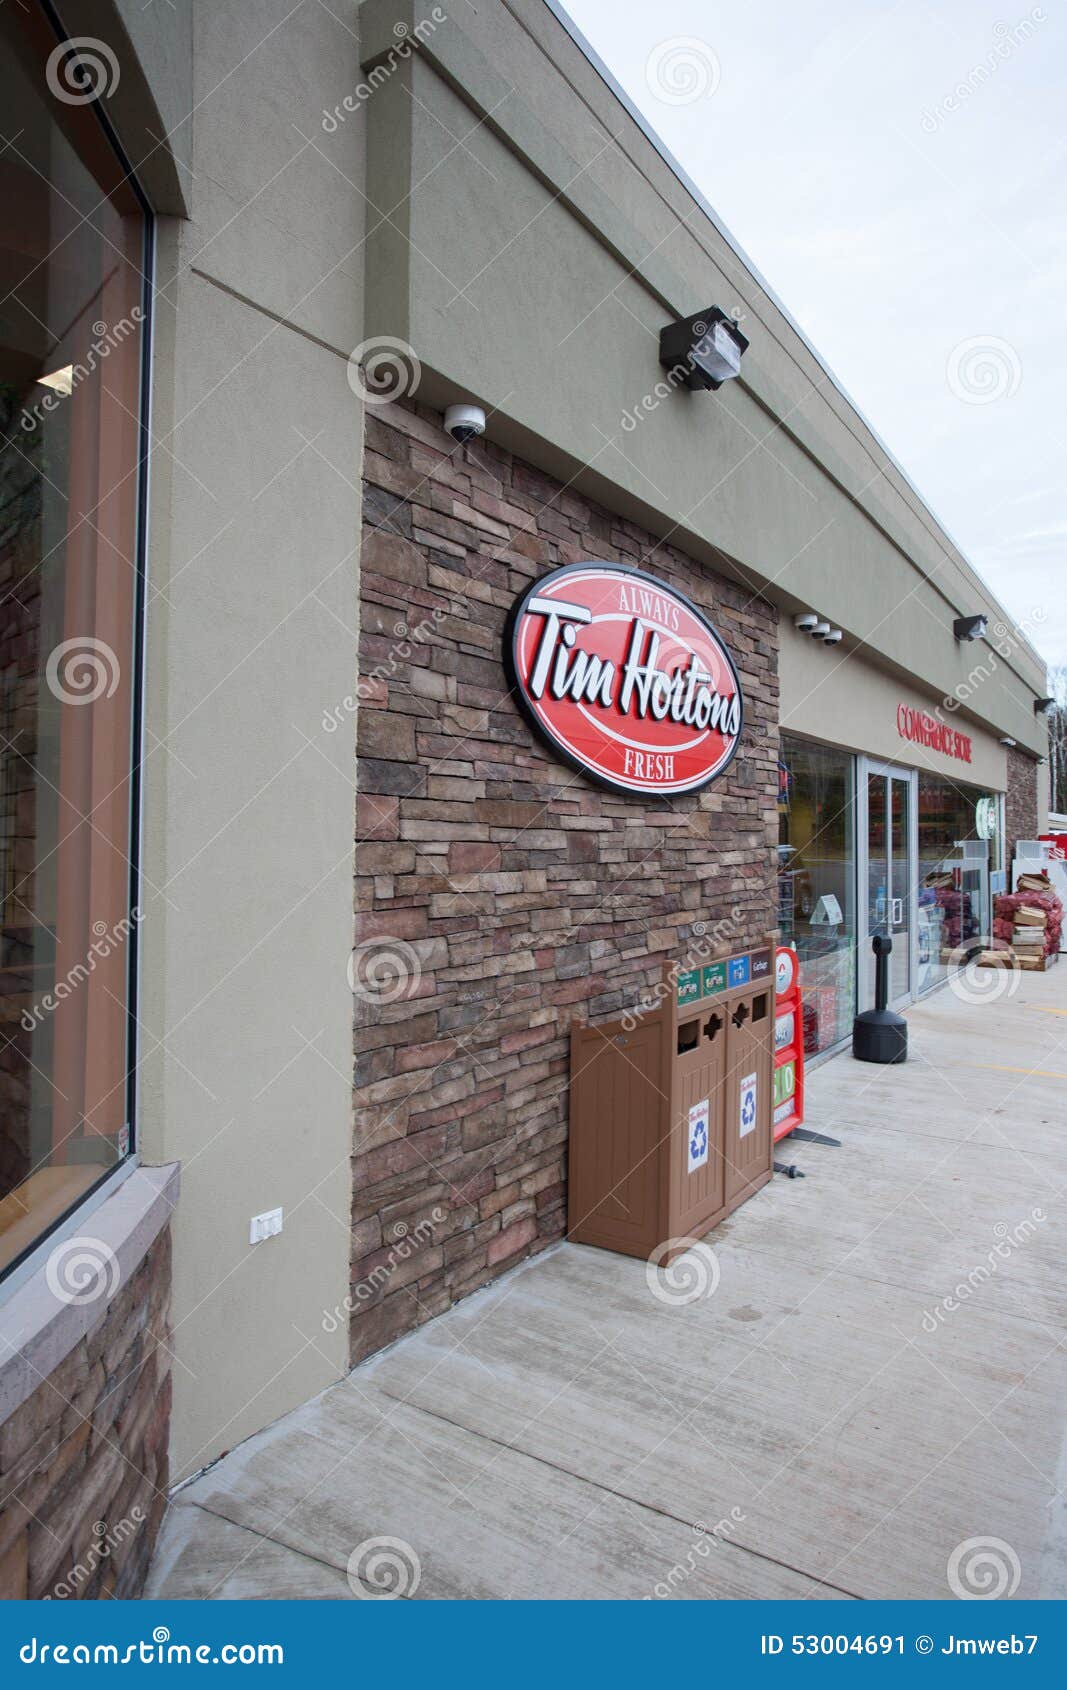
1027,916
1034,883
1035,900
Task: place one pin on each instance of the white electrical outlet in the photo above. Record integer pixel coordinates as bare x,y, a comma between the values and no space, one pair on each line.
265,1226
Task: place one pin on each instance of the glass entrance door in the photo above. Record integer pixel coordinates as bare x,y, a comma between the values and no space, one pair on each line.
888,824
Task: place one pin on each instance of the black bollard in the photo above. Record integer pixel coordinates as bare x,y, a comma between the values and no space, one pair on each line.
878,1035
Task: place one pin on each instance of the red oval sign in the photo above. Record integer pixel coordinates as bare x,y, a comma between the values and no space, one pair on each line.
625,678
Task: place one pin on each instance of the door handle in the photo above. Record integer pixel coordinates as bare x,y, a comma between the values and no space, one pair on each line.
898,912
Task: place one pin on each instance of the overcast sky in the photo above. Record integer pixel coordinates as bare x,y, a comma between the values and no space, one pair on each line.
898,175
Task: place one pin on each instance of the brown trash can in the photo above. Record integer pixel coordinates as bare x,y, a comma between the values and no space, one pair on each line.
670,1108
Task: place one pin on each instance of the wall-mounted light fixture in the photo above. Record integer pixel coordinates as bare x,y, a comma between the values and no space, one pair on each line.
707,348
970,627
1042,706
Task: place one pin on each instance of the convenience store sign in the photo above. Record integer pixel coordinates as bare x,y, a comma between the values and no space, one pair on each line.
921,728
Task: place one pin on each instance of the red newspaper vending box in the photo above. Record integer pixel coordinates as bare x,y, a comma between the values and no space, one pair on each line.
788,1097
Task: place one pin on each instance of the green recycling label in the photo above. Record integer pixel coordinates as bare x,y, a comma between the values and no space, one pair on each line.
689,986
714,978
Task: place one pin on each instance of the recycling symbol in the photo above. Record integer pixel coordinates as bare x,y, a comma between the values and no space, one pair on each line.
699,1142
748,1109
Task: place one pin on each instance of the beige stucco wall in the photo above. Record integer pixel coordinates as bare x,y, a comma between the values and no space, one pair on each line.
245,1005
545,243
843,699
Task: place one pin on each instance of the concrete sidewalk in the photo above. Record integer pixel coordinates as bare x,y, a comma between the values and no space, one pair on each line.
876,1381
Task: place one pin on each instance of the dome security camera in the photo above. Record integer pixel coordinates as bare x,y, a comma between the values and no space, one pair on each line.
806,622
465,422
833,637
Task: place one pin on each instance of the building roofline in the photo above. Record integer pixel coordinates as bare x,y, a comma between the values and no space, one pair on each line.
589,51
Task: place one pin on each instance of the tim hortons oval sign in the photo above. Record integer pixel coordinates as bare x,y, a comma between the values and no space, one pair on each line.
624,678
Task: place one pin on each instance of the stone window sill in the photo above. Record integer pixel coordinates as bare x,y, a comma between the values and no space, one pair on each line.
39,1326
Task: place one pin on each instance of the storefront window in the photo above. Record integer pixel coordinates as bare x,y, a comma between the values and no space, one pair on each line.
958,845
817,884
71,341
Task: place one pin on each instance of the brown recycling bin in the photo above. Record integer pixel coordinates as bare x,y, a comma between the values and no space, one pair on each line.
670,1118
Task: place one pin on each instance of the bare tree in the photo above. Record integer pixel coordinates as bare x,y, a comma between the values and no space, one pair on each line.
1057,739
